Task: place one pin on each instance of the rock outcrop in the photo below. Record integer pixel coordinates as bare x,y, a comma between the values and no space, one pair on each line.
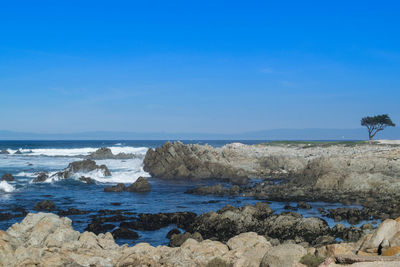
4,151
82,166
106,153
45,239
179,161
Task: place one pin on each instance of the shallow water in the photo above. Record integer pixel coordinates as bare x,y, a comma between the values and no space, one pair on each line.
166,196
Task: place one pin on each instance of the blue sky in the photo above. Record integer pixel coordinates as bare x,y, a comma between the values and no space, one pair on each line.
197,66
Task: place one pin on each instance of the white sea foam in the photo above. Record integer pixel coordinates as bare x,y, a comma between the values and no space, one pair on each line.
71,152
6,187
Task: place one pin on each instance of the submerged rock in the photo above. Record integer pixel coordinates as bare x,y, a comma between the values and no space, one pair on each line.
46,205
7,177
115,188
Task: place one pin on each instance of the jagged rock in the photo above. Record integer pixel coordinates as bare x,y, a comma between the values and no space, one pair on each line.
72,211
46,205
106,153
18,152
87,180
140,185
42,176
82,166
7,177
179,161
174,231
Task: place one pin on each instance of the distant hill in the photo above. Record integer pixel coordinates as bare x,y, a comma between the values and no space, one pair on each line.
277,134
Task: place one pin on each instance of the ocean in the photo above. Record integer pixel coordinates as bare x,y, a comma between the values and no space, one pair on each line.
54,156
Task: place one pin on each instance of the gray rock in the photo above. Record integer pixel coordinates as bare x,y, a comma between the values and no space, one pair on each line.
87,180
140,185
42,176
116,188
4,151
106,153
283,255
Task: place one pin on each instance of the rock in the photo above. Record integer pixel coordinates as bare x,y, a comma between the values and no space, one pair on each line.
7,177
125,233
283,255
42,177
179,161
106,153
87,180
303,205
72,211
140,185
178,239
116,188
46,205
174,231
4,151
82,166
18,152
386,230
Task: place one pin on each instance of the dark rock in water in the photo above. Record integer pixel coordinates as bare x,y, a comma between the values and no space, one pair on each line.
178,239
106,153
303,205
7,177
19,152
218,189
97,227
84,166
116,188
42,176
4,151
116,203
288,207
72,211
150,222
174,231
87,180
124,233
140,185
46,205
350,234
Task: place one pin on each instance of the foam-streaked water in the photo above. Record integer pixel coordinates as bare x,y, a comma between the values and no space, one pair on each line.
54,156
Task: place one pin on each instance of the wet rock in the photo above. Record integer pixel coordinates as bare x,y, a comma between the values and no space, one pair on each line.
82,166
87,180
7,177
116,188
72,211
124,233
4,151
42,176
97,227
46,205
303,205
141,185
174,231
18,152
218,189
149,222
178,239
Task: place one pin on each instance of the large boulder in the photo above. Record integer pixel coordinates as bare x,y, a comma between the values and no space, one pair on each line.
7,177
140,185
106,153
287,255
178,161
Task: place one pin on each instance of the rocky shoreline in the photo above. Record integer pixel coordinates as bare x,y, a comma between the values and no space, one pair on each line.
45,239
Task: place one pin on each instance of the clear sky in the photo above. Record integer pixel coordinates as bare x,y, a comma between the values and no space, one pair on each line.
197,66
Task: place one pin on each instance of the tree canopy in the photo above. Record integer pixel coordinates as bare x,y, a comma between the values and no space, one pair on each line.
376,124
